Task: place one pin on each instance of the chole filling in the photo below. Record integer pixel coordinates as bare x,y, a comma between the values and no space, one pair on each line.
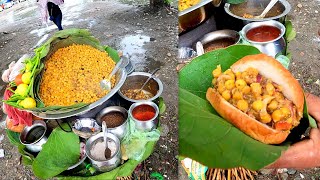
257,96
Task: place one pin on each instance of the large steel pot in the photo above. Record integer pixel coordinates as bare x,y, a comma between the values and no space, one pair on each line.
255,8
193,16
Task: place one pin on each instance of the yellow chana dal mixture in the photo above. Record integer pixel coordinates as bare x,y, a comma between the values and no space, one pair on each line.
73,74
185,4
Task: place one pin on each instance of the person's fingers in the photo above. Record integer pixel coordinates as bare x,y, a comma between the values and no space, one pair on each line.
315,134
313,103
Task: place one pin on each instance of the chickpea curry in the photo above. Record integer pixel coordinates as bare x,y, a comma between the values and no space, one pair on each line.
72,75
137,94
257,96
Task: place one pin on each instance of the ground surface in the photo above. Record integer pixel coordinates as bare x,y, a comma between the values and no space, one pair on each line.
147,36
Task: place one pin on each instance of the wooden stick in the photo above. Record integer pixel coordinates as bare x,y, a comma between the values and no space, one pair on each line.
229,174
241,173
218,176
233,173
250,175
209,174
215,173
236,173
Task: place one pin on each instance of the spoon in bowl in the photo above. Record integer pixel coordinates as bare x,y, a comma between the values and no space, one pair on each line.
106,83
107,151
266,10
199,48
145,83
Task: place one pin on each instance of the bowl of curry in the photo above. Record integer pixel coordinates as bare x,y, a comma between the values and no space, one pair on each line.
130,90
248,10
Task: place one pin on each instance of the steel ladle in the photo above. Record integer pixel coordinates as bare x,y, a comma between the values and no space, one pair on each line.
146,82
106,83
266,10
107,152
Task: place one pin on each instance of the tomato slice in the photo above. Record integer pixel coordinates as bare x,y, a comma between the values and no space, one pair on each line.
283,126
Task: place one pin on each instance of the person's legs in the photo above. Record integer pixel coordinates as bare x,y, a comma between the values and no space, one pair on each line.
57,20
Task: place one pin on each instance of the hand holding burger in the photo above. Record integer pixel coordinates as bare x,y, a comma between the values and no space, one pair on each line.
304,154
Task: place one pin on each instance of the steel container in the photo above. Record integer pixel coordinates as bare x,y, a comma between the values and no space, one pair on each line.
254,5
193,16
34,136
121,130
145,125
109,164
136,79
86,123
219,35
272,47
91,108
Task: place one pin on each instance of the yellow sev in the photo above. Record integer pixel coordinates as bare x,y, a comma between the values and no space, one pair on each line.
185,4
73,74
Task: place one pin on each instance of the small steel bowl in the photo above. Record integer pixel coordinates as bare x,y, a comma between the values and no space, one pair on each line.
86,123
119,131
109,164
136,79
272,47
34,136
145,125
220,35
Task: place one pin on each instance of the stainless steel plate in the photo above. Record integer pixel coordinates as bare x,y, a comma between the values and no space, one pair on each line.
120,79
200,4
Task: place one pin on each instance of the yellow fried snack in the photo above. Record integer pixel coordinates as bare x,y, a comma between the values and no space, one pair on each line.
185,4
72,75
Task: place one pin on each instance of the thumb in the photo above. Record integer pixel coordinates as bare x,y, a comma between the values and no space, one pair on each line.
315,133
313,103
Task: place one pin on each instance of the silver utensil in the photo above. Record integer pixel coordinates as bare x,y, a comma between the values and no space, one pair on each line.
105,83
107,152
145,83
267,9
199,48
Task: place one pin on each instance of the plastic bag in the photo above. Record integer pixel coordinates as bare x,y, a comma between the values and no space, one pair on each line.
133,144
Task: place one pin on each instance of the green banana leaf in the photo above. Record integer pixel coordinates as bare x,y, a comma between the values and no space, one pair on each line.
60,39
124,170
67,142
61,151
205,136
13,137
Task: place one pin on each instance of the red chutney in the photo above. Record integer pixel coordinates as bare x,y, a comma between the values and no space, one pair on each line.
143,112
263,33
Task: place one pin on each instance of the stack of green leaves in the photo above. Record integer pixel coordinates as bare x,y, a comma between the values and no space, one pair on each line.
62,150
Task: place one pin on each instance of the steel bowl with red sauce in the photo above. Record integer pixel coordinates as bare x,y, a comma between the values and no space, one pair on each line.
267,36
263,33
145,115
